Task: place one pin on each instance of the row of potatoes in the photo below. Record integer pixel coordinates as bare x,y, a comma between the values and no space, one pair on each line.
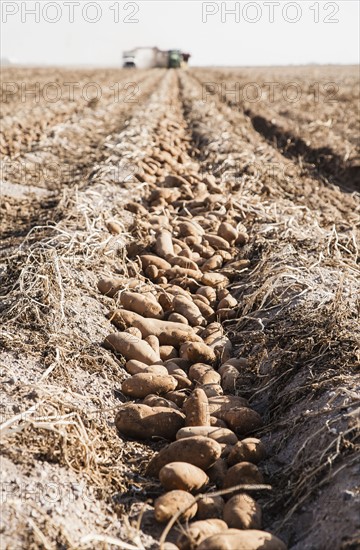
183,375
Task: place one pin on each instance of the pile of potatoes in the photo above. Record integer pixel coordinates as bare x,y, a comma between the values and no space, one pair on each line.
182,373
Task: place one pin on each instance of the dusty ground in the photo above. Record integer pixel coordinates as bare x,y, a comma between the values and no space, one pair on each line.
290,171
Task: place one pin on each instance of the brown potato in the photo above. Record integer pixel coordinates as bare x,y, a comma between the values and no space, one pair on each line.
216,422
227,232
177,318
196,532
169,334
144,422
164,245
222,403
247,450
143,305
215,280
150,259
197,352
243,473
197,370
196,409
182,475
242,512
217,472
131,347
210,507
142,384
236,539
221,435
209,293
178,396
168,352
153,341
109,286
213,263
169,504
153,400
206,310
199,451
229,376
227,302
183,381
186,307
135,367
212,390
215,241
241,420
210,377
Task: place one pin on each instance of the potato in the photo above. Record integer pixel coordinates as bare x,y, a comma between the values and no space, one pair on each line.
217,472
227,232
227,302
221,435
197,370
153,273
153,341
235,539
212,390
131,347
166,506
153,400
209,293
242,512
134,331
109,286
206,310
215,280
182,261
199,451
198,531
169,334
184,476
189,310
210,377
142,384
188,229
183,273
200,298
135,367
150,259
216,422
210,507
177,318
222,403
143,305
213,263
143,422
177,396
229,376
164,245
183,381
215,241
241,420
196,409
242,239
243,473
168,352
197,352
136,208
166,300
247,450
212,332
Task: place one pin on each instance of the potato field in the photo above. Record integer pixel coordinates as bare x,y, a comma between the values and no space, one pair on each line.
180,307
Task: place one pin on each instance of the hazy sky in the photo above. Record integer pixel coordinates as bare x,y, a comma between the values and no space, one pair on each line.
258,33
